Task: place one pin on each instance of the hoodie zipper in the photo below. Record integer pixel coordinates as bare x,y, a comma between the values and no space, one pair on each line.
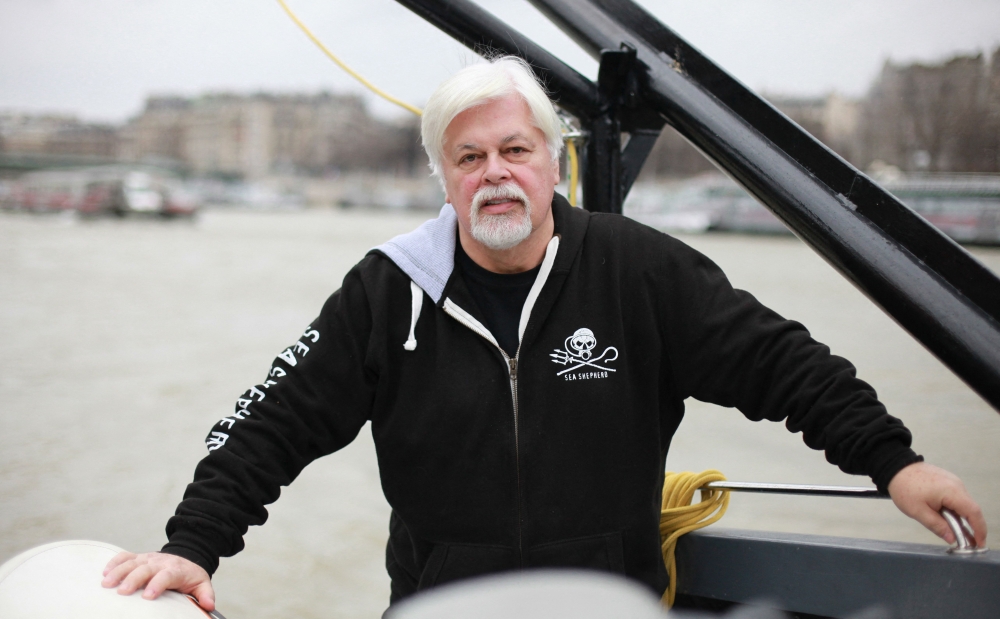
459,314
456,312
512,372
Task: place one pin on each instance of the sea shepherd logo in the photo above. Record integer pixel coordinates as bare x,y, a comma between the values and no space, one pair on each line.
578,354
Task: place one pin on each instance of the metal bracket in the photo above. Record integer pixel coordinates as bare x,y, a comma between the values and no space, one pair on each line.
610,167
965,539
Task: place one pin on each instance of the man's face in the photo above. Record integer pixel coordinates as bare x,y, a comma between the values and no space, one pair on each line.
495,150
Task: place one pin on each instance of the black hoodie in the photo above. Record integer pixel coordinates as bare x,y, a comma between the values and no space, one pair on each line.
552,458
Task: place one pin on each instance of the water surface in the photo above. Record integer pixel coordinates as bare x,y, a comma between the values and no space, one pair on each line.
122,342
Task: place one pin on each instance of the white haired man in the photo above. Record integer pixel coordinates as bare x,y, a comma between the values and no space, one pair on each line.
524,366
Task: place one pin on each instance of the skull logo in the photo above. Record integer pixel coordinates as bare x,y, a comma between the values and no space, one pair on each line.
583,341
578,352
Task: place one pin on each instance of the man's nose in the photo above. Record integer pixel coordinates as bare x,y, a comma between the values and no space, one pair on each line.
496,169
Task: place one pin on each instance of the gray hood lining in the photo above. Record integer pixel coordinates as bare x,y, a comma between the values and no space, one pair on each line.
427,255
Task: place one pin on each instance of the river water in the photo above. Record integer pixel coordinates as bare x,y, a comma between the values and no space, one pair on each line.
123,341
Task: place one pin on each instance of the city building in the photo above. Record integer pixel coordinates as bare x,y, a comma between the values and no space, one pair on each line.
255,136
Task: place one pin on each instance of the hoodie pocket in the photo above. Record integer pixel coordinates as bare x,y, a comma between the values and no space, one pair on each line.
448,562
599,552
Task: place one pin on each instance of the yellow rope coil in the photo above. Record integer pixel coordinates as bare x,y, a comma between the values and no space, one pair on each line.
678,516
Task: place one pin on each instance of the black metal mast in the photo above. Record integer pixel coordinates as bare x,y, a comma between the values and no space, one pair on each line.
648,75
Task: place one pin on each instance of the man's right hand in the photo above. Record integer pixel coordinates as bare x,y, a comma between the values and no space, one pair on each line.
157,572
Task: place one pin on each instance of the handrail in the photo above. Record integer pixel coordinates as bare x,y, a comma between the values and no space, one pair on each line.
965,538
802,489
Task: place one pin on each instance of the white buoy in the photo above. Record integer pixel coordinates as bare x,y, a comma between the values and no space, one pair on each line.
63,579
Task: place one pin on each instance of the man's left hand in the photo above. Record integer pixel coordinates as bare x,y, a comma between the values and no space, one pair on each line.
920,490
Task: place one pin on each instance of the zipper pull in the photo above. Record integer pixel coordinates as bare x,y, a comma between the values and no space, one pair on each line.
513,367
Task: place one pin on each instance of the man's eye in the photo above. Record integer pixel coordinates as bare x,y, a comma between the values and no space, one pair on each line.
516,150
468,159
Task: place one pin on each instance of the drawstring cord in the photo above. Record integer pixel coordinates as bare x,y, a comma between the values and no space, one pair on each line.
417,302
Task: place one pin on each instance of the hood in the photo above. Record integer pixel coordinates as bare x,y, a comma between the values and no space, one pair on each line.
426,255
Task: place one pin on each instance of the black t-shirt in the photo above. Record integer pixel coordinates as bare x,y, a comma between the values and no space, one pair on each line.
499,296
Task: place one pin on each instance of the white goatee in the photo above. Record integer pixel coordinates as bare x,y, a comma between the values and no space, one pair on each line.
504,230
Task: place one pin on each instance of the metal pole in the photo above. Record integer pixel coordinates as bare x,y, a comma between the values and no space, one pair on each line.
965,539
483,33
800,489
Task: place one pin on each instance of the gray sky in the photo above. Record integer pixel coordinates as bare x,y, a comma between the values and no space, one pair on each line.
100,58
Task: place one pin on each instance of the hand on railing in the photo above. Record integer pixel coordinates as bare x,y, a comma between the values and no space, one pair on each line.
932,496
922,490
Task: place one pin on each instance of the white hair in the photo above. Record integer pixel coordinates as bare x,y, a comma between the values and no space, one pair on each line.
481,83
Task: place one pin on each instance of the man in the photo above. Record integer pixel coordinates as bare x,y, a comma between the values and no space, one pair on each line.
524,366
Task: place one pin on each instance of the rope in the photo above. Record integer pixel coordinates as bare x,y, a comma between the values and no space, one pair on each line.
574,170
678,516
350,71
570,146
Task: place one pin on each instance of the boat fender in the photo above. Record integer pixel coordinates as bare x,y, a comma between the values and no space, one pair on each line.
63,579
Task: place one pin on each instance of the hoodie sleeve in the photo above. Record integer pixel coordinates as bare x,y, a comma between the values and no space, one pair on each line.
730,350
315,399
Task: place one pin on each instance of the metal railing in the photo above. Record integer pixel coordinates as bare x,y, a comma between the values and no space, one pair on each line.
965,539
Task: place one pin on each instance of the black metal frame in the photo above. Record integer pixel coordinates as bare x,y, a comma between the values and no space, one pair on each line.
649,76
834,576
605,110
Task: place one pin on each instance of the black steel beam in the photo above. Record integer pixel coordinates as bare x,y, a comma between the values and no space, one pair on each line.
931,286
608,172
601,165
837,576
483,33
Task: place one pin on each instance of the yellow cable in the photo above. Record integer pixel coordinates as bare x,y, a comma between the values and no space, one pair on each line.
574,170
678,516
343,66
574,165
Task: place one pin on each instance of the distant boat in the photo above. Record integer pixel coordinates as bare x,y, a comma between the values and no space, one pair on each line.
115,190
965,207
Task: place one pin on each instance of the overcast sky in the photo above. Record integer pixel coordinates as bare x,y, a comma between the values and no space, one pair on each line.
99,59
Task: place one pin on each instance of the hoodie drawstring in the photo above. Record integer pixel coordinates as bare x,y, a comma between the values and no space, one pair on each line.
415,305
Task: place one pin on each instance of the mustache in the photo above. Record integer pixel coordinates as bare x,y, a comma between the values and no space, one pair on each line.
506,191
